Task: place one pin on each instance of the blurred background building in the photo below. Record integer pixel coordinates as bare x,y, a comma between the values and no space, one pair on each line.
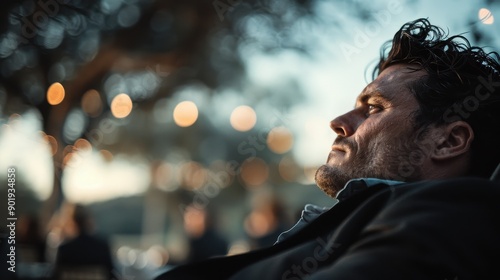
149,112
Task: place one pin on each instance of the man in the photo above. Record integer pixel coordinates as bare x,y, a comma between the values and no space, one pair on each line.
83,255
204,241
406,167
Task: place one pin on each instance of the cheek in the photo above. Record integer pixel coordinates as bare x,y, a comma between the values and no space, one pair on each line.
379,134
367,132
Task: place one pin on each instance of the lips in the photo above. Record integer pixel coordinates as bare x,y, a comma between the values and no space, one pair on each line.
342,144
337,154
338,148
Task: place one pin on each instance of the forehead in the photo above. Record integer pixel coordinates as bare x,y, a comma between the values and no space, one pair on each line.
392,83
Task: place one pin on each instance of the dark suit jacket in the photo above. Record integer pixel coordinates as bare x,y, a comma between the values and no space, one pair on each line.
425,230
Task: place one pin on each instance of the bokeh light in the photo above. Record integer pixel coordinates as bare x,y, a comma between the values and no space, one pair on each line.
121,106
258,224
74,125
164,176
254,172
52,142
89,178
485,16
289,169
106,155
122,255
193,175
55,94
92,103
195,221
128,15
157,256
280,140
68,153
185,113
243,118
83,145
29,150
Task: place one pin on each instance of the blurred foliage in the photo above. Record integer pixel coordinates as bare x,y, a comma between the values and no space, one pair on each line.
81,43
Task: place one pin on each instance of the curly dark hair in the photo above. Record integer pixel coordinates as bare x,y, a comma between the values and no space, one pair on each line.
462,83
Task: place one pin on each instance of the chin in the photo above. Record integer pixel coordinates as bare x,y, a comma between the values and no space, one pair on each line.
330,179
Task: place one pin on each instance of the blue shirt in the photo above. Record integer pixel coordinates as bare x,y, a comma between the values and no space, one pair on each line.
312,211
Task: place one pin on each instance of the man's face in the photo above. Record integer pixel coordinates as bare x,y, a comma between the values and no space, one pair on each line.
377,136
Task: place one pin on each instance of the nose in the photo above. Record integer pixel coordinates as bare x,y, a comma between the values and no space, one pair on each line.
346,124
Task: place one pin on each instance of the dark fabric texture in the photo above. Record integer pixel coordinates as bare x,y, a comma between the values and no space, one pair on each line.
208,245
427,230
85,251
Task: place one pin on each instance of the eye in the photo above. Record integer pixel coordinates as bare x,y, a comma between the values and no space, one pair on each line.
373,109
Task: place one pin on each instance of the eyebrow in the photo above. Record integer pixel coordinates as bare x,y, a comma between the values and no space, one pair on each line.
373,94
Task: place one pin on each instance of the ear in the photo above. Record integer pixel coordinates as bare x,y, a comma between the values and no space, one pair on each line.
455,140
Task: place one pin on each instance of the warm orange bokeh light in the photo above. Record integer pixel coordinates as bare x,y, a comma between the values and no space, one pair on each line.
254,172
185,113
67,158
68,149
121,106
52,142
486,16
195,221
288,169
106,155
83,145
55,94
280,140
193,175
243,118
92,103
258,224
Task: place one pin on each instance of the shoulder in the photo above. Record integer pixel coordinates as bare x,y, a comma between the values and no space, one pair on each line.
455,202
419,228
86,241
458,204
455,188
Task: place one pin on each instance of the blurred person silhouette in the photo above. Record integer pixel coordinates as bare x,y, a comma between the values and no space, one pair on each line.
31,243
266,220
203,239
82,255
414,170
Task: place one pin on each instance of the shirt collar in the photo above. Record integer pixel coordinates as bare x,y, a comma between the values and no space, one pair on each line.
356,185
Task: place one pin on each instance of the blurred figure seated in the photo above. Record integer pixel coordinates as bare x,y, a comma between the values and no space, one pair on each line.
266,221
82,255
204,240
31,244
